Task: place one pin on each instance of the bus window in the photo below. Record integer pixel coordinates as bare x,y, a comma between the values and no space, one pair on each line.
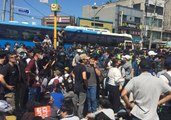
12,34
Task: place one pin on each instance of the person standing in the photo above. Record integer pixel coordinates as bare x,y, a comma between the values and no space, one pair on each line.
80,87
93,71
32,74
7,47
2,81
10,74
48,41
21,85
146,90
165,113
128,68
114,85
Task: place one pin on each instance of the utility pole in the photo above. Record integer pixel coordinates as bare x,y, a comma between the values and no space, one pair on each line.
11,10
55,8
4,10
151,26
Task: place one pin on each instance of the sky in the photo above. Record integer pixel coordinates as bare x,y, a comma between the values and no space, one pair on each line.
38,9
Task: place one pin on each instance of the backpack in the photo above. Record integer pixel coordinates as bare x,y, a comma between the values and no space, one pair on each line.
168,77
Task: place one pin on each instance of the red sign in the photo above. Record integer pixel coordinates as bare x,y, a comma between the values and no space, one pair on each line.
44,111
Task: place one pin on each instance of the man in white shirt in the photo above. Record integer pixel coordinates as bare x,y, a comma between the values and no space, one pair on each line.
146,90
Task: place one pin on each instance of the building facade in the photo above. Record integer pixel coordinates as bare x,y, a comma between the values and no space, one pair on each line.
63,21
94,23
127,15
167,21
125,19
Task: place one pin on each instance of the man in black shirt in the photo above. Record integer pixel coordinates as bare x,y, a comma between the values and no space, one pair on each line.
80,87
62,58
2,81
10,74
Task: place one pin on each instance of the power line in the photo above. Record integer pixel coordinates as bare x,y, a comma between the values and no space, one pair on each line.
25,15
34,8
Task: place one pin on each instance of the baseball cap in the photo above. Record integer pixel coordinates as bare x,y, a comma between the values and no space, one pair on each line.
128,57
66,68
152,53
79,50
84,56
47,36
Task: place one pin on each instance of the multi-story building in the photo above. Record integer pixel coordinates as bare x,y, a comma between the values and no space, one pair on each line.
63,21
167,21
125,19
147,14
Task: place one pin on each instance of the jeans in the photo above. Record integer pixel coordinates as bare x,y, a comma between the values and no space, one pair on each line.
91,98
79,100
33,94
114,97
165,114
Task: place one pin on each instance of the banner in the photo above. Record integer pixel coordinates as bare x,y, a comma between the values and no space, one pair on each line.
44,111
21,10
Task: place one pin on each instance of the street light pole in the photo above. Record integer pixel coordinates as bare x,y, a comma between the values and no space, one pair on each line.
11,10
55,8
94,7
55,26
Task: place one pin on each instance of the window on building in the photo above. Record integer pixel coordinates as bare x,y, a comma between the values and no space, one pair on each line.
148,21
154,22
159,10
157,23
137,20
150,8
160,22
156,9
96,18
124,17
156,35
97,24
137,6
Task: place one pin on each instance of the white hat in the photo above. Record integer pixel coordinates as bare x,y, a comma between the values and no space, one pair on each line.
79,50
128,57
151,53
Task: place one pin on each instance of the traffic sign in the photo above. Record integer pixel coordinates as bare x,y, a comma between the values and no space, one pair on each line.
23,10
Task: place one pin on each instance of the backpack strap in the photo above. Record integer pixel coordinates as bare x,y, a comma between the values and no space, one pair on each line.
168,77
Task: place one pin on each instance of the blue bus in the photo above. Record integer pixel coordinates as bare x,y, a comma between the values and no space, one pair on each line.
12,32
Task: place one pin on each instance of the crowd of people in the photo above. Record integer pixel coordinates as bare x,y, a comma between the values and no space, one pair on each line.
84,82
